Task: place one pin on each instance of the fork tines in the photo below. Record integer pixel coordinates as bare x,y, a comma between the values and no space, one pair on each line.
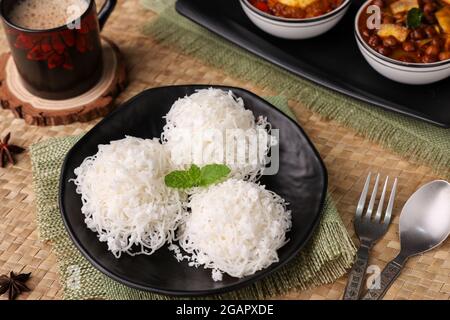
369,213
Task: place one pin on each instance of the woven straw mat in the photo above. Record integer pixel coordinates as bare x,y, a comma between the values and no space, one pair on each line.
348,157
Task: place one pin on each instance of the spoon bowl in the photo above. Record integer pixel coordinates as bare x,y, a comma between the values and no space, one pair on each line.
425,218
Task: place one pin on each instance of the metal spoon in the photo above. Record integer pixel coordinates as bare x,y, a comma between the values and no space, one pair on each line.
424,225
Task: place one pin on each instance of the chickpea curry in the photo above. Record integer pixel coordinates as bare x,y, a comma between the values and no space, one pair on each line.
296,9
414,31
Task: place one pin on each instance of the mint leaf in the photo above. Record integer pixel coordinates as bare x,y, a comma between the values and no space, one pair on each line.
213,173
178,180
196,177
195,174
414,18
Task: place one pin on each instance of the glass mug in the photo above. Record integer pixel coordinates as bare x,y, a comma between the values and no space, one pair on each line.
62,62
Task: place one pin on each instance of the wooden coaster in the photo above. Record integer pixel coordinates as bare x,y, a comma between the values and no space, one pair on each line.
97,102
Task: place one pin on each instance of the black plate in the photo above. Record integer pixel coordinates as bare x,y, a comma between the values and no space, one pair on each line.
302,181
332,60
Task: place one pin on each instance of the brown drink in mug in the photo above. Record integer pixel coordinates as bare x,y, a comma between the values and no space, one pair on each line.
56,44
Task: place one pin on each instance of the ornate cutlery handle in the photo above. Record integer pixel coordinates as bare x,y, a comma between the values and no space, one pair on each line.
356,276
386,279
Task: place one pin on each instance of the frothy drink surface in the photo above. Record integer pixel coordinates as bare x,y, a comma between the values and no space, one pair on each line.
46,14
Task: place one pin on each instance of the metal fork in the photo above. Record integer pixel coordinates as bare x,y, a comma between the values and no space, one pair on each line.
369,230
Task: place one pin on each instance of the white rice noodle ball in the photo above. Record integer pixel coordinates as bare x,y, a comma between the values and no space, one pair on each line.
212,126
234,227
125,199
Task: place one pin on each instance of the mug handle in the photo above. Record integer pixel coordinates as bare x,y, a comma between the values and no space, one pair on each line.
105,12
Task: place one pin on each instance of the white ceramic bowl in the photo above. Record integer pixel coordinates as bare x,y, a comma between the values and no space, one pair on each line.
404,72
294,29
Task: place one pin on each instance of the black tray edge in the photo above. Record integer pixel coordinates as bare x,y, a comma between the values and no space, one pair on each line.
185,12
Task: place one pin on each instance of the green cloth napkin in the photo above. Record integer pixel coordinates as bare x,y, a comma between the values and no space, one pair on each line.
413,139
326,258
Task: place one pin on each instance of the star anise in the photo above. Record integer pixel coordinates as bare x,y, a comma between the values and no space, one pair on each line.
7,151
14,284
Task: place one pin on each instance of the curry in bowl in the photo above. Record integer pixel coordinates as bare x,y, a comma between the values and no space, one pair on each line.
297,9
412,31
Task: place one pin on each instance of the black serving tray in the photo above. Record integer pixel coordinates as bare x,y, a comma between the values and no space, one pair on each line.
332,60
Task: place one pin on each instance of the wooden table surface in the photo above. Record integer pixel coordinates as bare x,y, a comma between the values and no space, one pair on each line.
348,157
